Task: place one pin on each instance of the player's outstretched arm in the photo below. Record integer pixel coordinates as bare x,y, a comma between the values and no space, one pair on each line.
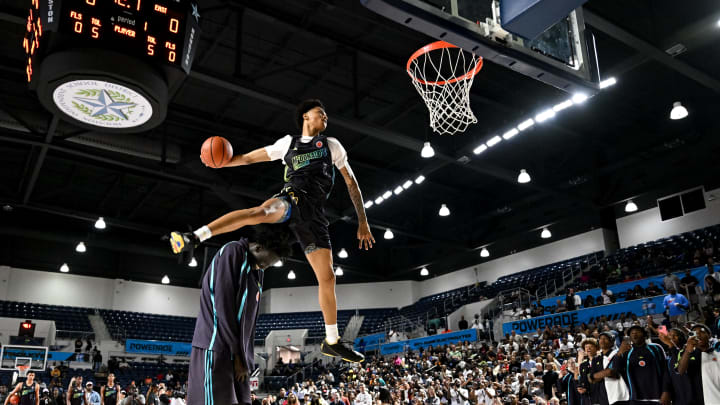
256,156
364,234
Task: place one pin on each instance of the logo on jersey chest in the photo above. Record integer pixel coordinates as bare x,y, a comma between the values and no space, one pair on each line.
319,144
641,363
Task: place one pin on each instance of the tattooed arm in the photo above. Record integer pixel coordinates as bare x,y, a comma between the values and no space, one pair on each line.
364,235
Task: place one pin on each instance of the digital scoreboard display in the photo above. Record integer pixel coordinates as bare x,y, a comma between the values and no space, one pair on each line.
159,31
109,65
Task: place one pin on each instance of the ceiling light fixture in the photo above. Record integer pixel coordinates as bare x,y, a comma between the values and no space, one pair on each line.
64,268
509,134
545,115
480,149
565,104
631,206
484,252
419,179
278,263
610,81
493,141
678,112
165,280
427,151
545,234
193,262
523,177
100,223
343,254
387,194
424,272
388,234
444,211
579,98
368,204
80,248
379,200
407,184
526,124
339,271
291,275
398,190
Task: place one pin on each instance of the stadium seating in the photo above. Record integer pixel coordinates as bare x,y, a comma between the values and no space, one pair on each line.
67,319
135,325
446,302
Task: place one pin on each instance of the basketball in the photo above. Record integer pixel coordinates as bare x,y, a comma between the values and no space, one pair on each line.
216,152
14,399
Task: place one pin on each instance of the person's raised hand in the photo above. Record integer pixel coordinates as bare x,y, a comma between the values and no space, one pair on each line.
365,237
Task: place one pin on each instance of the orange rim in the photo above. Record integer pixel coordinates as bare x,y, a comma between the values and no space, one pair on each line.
435,46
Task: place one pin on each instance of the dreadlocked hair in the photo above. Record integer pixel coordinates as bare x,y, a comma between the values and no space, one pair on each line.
275,238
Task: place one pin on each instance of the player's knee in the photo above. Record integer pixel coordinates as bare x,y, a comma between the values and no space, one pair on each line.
258,215
326,278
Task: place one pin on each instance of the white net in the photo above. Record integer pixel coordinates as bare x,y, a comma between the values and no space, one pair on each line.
443,74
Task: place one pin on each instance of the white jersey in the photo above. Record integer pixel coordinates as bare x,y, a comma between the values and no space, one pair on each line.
616,388
711,377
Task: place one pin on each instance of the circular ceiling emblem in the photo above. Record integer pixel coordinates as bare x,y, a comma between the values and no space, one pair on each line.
103,104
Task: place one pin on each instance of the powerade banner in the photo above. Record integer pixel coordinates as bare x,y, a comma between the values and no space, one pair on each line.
620,289
430,341
645,306
157,347
369,342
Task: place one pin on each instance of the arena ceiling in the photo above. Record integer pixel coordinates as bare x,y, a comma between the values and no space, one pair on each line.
257,59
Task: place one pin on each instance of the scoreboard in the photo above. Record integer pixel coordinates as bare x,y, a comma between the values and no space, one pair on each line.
108,64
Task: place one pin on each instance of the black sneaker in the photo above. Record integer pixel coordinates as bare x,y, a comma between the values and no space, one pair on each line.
343,350
183,242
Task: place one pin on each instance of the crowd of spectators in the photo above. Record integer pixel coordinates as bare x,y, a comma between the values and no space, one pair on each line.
551,366
163,389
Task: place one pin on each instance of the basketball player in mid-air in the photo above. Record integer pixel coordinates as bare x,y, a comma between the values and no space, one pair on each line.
28,391
222,353
309,177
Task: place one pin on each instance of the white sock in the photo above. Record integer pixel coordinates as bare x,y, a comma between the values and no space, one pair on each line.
203,233
331,334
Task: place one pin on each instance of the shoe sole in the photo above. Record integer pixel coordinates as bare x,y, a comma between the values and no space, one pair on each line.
177,243
337,355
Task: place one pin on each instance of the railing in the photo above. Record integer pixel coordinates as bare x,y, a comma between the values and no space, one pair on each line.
74,334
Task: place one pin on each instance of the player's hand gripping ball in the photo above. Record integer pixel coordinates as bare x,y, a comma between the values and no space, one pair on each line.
216,152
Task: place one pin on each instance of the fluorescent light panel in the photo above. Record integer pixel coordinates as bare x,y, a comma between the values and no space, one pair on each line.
493,141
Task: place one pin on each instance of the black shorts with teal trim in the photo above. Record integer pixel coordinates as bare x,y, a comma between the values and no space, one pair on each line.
306,218
211,380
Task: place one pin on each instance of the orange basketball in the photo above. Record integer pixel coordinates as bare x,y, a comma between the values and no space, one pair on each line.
216,152
14,399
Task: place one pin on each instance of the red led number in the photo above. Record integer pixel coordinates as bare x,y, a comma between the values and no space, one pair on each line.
151,49
171,56
95,32
90,2
78,27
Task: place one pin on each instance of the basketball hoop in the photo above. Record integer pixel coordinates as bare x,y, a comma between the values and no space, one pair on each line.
22,370
442,73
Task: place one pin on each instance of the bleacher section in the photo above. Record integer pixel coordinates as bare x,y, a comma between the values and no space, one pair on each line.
375,319
313,321
446,302
677,253
72,319
135,325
